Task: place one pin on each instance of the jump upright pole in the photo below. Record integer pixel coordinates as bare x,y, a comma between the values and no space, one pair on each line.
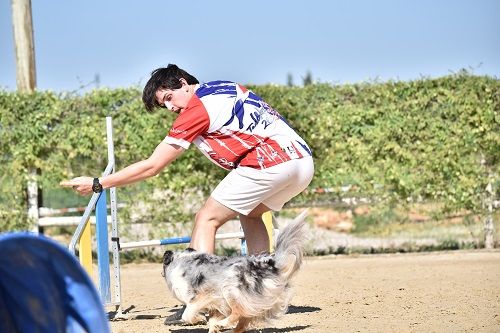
98,203
85,249
103,248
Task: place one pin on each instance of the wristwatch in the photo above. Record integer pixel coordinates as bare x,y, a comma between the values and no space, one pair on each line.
96,186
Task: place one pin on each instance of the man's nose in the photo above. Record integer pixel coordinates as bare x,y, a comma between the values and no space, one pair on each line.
168,105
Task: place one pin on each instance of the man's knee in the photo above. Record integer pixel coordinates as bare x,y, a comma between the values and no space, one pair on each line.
206,217
258,211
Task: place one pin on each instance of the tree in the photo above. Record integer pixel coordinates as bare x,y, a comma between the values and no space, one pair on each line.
307,80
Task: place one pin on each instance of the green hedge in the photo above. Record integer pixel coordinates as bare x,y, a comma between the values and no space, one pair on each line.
400,141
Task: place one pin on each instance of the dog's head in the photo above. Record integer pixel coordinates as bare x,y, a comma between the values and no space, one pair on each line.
168,256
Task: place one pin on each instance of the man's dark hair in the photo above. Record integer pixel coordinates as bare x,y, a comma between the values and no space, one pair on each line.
164,78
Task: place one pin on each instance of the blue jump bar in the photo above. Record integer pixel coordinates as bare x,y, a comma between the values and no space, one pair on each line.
175,240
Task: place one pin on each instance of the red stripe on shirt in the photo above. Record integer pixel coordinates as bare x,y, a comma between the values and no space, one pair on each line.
192,122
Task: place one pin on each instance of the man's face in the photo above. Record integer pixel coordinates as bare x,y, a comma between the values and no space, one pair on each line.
175,100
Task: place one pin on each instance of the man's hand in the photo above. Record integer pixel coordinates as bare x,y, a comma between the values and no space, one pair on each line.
82,185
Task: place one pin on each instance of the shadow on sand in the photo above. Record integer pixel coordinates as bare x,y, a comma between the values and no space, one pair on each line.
292,309
259,330
302,309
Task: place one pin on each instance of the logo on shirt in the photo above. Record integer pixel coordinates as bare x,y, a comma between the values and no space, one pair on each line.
221,160
266,115
177,131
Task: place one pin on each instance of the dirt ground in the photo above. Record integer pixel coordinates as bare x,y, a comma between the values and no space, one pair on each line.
455,291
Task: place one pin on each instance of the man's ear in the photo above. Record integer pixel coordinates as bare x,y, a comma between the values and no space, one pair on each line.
183,82
168,256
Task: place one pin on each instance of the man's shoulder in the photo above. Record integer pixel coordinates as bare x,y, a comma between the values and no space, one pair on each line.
217,83
214,88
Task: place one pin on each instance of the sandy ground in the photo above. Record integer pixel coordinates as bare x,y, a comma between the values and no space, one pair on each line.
432,292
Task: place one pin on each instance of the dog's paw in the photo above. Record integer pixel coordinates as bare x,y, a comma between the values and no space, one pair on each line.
198,319
214,329
213,326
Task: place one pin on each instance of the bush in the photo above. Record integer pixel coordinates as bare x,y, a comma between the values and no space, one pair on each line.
394,141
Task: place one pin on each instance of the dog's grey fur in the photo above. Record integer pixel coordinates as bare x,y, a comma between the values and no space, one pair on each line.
239,290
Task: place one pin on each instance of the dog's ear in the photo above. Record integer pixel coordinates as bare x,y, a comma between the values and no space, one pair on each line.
168,256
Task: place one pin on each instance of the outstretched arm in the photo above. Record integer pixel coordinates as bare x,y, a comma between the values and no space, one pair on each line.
162,156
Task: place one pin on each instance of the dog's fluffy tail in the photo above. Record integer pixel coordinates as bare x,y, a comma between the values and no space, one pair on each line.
289,246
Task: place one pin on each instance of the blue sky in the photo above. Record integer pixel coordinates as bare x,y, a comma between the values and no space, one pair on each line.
254,42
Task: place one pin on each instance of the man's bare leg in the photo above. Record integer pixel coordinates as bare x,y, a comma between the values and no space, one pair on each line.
255,230
209,218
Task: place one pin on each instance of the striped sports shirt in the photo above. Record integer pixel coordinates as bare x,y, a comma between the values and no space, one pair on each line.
234,127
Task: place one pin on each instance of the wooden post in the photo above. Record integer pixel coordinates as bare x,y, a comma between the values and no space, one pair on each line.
487,207
23,40
489,227
26,82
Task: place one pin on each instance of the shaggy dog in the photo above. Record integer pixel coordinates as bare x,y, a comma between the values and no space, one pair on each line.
239,290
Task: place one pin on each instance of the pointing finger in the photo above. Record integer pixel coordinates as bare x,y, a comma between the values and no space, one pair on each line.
67,183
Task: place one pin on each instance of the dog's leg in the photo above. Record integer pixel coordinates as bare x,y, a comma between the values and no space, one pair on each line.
215,316
192,313
228,321
242,325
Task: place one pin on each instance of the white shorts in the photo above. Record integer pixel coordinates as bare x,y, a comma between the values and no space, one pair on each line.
245,188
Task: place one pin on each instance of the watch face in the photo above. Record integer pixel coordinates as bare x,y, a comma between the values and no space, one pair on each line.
96,186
